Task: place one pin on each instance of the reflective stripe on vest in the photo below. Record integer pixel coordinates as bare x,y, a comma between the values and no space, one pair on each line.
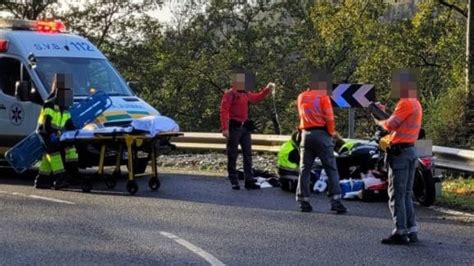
311,110
409,129
58,118
314,115
45,166
71,154
51,164
348,145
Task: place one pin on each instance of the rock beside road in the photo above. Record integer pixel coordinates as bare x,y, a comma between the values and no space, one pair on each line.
214,162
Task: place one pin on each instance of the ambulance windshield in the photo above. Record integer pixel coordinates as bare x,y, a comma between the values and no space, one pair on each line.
88,74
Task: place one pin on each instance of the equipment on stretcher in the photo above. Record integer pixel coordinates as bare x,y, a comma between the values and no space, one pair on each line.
147,131
26,153
86,111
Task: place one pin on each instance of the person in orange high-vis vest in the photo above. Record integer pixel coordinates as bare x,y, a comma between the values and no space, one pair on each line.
404,127
318,127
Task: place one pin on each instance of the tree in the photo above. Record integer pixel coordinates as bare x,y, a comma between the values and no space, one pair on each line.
200,53
184,69
26,9
362,45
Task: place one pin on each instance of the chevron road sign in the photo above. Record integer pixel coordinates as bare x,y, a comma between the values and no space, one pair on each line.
352,95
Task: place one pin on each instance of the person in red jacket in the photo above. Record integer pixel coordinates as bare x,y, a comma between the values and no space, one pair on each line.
236,126
404,126
318,128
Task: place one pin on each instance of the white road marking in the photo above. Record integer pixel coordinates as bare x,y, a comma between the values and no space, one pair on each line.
51,199
37,197
195,249
451,212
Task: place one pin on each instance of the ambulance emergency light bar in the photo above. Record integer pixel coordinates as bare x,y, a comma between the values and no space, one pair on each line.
49,26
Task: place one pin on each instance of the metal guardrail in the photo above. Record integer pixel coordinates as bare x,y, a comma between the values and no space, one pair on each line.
454,159
445,158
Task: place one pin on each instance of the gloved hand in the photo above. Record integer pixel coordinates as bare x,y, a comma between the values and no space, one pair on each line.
336,136
69,125
380,106
53,138
271,85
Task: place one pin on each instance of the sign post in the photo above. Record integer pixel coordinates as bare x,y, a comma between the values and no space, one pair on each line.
351,125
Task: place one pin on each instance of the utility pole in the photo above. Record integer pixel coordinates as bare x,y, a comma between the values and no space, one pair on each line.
469,116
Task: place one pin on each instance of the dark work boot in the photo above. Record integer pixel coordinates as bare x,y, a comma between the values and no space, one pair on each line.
43,182
305,206
396,239
413,237
72,171
235,184
249,185
337,206
60,182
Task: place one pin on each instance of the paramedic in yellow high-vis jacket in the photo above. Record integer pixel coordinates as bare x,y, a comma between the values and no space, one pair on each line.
55,118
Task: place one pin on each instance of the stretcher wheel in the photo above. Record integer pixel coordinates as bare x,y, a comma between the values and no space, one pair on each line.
86,186
117,174
154,183
132,187
110,181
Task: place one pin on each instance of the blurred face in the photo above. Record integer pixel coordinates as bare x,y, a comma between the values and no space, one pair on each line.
321,82
64,97
404,85
320,86
238,81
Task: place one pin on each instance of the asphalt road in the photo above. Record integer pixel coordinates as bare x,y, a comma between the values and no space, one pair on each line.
197,219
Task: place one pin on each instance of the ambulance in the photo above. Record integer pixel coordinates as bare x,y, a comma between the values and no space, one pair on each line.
31,52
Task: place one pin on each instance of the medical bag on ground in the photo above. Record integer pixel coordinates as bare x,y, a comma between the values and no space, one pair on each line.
26,153
375,193
288,180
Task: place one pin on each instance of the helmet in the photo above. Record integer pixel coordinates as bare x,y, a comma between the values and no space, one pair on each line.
384,142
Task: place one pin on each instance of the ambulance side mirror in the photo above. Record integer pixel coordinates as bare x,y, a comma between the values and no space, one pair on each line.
134,85
23,90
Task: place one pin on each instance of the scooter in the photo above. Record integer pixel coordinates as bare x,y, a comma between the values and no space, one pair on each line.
364,157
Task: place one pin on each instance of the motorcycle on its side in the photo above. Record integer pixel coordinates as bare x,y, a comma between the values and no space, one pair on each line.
362,157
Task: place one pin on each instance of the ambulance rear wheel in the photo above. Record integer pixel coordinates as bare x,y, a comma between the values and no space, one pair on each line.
154,183
132,187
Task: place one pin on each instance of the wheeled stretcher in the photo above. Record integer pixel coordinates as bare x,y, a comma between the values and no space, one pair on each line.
125,142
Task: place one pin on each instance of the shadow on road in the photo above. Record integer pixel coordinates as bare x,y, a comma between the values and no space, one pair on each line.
216,190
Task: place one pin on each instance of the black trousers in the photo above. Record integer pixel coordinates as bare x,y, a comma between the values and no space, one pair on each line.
242,136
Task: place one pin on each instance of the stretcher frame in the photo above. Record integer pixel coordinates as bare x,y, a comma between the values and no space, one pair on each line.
131,142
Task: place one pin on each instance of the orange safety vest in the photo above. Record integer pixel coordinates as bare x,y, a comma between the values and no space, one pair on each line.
405,122
315,110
